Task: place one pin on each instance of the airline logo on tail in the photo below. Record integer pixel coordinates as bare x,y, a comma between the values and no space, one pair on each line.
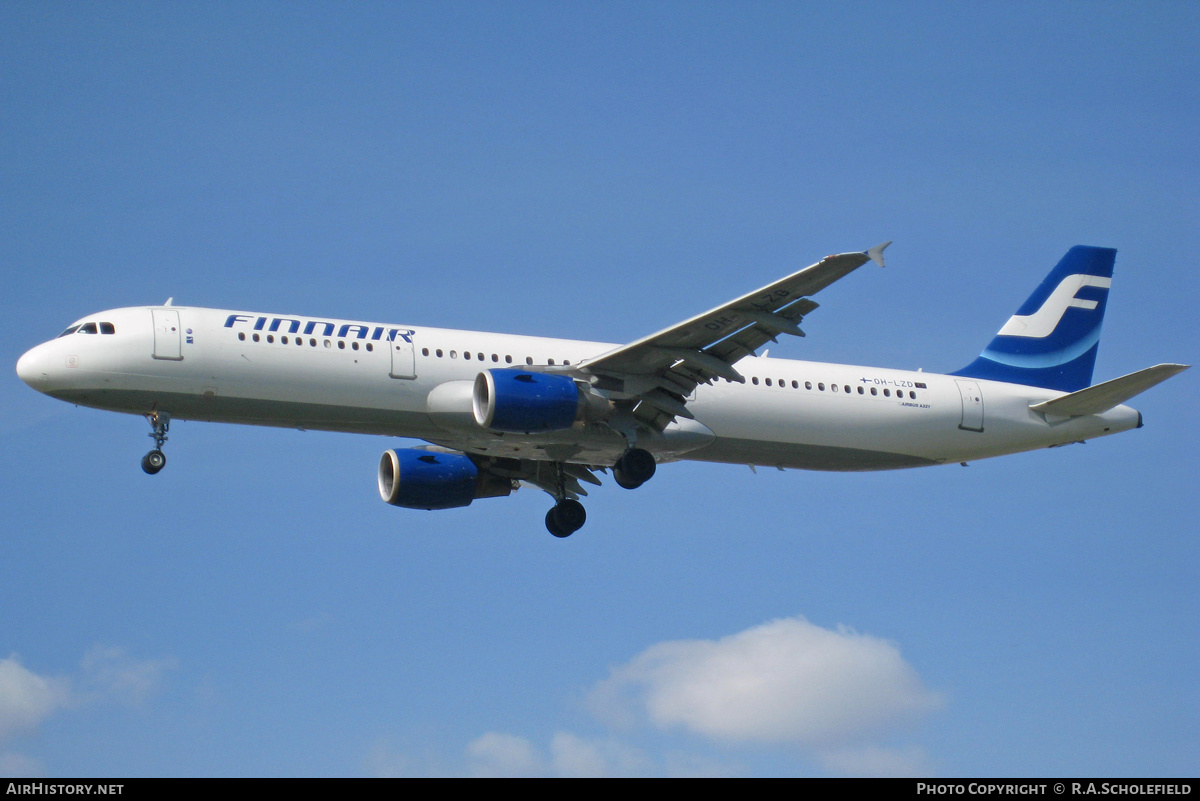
1051,341
1042,322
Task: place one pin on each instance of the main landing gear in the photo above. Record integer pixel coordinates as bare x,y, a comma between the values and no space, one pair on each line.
565,518
568,515
635,467
156,460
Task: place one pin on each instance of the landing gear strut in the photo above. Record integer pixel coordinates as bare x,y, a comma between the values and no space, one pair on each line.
635,467
156,460
567,515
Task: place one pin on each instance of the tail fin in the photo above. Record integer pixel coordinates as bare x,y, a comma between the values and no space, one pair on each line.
1051,341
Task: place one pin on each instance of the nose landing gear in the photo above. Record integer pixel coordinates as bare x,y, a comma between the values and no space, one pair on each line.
156,460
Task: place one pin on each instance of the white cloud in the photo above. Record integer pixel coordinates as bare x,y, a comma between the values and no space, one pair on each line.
787,681
579,757
831,694
112,675
19,766
26,699
497,754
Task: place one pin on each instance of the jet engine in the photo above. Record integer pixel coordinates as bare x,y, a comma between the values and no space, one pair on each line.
523,401
418,478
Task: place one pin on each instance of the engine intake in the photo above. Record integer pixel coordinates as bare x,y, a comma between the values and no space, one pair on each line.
523,402
416,478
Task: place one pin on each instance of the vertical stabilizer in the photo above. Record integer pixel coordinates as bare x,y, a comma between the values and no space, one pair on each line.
1052,340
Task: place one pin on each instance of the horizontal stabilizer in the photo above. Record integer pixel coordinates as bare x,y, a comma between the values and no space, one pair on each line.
1102,397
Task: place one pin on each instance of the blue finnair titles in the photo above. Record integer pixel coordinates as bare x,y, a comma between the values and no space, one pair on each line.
1051,341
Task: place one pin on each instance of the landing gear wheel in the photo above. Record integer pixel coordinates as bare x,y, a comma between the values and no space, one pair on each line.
565,518
154,461
619,477
635,467
553,527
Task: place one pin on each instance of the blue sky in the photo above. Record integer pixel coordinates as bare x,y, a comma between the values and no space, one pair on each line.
597,171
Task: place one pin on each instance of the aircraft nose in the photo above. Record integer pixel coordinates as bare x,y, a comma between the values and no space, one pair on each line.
31,368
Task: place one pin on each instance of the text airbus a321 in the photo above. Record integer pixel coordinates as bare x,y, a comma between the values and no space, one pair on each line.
498,410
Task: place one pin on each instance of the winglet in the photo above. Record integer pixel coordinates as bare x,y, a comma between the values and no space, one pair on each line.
876,253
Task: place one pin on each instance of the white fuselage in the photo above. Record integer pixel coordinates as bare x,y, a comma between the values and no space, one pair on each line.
406,381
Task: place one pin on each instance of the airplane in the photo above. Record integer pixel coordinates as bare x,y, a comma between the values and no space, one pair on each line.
499,411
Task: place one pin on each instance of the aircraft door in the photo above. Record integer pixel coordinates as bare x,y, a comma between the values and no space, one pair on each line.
167,336
972,405
403,359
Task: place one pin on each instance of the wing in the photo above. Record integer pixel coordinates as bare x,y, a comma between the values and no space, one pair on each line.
657,373
560,479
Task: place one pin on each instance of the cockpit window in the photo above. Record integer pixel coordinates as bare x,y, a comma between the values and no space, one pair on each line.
89,328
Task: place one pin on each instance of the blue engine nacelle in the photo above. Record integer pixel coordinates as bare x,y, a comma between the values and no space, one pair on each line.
522,401
423,479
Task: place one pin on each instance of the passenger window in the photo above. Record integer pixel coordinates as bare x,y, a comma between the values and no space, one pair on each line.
860,390
808,385
768,382
821,387
874,391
